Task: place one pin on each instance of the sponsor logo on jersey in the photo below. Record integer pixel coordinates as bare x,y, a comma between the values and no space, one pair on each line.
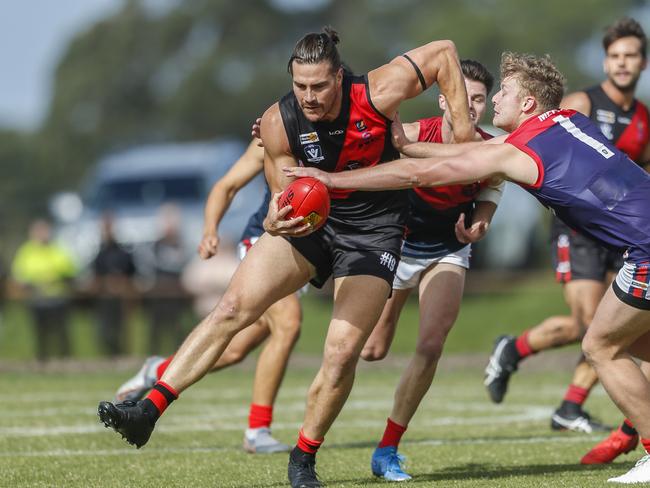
360,125
336,132
388,260
606,116
309,138
314,153
624,120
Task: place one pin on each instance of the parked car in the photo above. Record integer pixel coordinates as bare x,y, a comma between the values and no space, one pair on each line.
134,183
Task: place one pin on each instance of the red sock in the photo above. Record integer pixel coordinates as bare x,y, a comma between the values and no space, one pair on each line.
163,366
646,444
392,434
161,396
522,345
260,416
576,394
308,445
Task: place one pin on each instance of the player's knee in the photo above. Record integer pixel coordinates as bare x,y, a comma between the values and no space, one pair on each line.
288,328
232,356
571,331
338,362
374,352
430,348
597,349
229,315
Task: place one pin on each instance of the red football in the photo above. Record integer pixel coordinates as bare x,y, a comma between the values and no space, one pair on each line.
309,199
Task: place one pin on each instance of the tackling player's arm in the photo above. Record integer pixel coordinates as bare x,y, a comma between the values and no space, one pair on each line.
409,75
277,155
249,165
407,142
486,161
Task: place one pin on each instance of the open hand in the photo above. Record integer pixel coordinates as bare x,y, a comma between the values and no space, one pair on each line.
256,132
398,136
474,233
302,171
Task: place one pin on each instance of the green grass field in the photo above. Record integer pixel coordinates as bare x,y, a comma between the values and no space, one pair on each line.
50,434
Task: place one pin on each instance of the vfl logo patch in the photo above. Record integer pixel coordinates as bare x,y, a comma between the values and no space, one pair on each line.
607,131
309,138
314,153
360,125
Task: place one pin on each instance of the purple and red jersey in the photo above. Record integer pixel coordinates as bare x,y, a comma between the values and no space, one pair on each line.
591,185
435,210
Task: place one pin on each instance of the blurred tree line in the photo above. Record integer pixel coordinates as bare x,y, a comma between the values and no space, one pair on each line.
200,69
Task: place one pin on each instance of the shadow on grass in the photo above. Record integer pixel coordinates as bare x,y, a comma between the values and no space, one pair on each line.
472,471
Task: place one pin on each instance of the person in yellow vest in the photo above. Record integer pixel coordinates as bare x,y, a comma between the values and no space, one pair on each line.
44,271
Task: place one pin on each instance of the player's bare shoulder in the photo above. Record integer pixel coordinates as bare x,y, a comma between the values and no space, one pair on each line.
577,101
272,131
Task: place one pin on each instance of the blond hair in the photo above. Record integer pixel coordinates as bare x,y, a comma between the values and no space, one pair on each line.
537,76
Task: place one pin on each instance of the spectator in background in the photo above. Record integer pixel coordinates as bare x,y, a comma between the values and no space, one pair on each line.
114,270
168,299
44,271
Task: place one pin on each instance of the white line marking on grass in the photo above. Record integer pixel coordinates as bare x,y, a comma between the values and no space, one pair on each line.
202,450
216,422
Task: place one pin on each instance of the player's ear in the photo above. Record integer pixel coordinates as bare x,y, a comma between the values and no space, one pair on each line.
339,76
529,104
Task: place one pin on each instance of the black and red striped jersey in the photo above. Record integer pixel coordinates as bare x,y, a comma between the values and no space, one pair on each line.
435,210
359,137
628,129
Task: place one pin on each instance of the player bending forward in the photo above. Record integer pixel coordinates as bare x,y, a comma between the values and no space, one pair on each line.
561,158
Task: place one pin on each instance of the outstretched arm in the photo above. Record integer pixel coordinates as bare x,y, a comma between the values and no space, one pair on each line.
401,79
223,191
487,160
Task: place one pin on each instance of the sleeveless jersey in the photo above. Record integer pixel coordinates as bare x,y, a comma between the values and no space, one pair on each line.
434,211
627,129
589,184
359,137
255,225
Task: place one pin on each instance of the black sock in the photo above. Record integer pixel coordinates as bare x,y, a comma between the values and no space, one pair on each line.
628,429
570,407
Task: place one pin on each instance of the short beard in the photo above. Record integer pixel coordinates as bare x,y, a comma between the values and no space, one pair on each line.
631,88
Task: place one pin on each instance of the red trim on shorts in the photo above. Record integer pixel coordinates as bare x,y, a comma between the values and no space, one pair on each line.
563,257
641,275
